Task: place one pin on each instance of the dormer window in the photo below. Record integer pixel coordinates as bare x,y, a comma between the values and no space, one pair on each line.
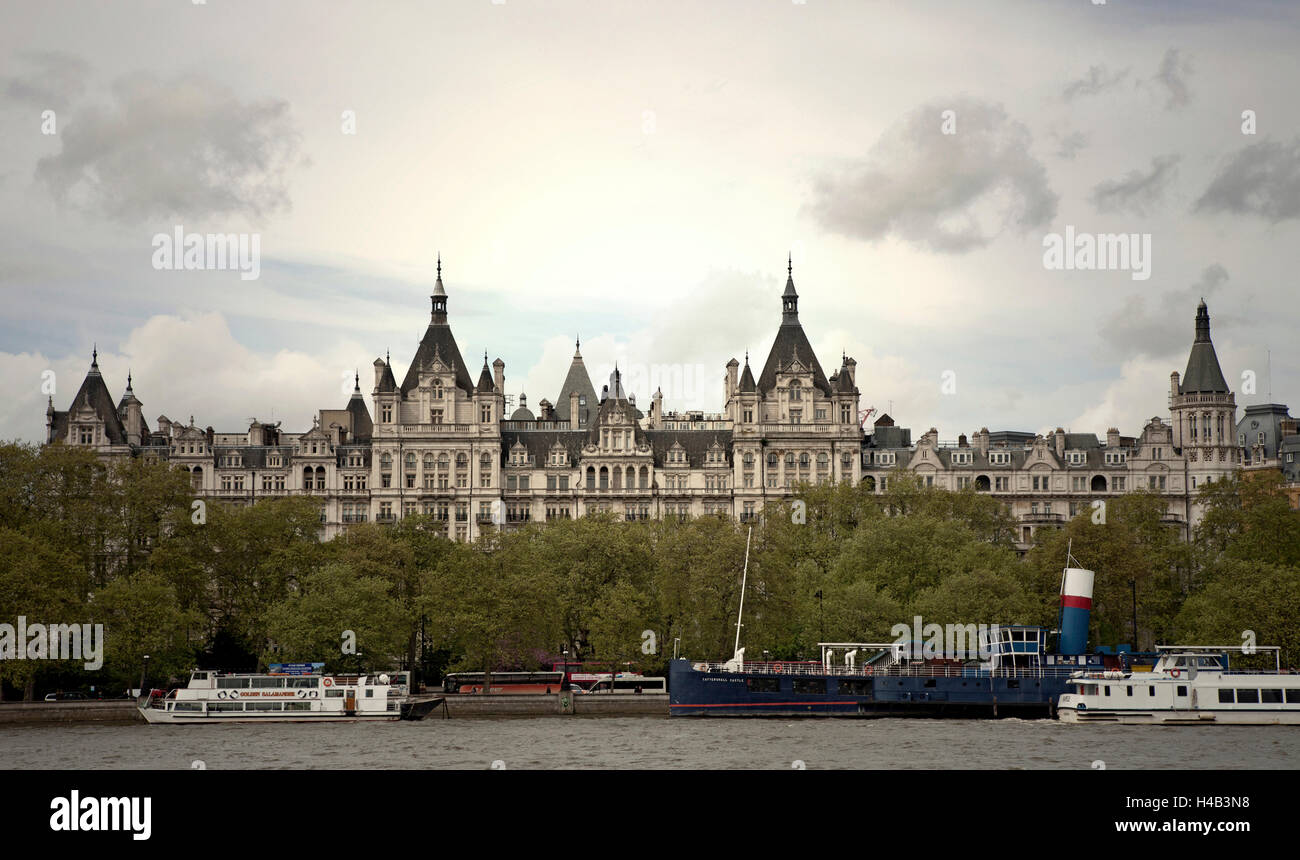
437,390
1076,458
1116,458
999,458
961,458
796,394
886,458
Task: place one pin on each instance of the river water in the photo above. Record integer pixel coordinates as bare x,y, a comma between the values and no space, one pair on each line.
553,742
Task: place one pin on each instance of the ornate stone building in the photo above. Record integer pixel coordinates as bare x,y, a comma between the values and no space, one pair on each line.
441,444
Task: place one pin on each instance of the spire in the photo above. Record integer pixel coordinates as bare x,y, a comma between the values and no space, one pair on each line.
789,299
439,298
1203,374
356,382
94,359
128,381
577,346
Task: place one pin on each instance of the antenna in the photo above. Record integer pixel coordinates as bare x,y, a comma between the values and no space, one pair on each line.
744,577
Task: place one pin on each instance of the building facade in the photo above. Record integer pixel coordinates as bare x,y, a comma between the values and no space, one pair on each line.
441,444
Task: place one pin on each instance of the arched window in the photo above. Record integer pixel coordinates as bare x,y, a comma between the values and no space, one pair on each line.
645,478
462,461
307,478
320,477
428,462
823,460
749,460
386,461
618,479
604,478
410,462
485,461
789,460
591,478
196,478
437,389
804,460
771,460
796,393
443,462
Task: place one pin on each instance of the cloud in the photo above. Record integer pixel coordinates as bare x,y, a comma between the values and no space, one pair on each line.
55,80
1137,191
1173,77
1165,330
1071,144
951,193
1097,80
180,148
1261,179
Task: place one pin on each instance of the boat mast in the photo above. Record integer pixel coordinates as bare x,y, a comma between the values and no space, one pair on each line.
743,579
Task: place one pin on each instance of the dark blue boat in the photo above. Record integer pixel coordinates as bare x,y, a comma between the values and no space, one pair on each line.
1010,674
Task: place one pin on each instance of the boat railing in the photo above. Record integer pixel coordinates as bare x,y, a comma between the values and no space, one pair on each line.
892,670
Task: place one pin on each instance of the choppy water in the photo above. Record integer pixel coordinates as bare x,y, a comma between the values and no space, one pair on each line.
652,742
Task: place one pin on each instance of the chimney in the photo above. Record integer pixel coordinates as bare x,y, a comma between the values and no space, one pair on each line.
575,420
499,375
1112,437
731,380
165,426
853,371
1173,387
1059,439
255,437
983,437
961,441
379,372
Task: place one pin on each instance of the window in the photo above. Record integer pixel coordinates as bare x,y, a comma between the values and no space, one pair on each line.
1270,697
1248,697
809,686
764,685
961,458
999,458
1001,484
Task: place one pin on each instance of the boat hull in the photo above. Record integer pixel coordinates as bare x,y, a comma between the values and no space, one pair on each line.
179,718
734,694
1181,717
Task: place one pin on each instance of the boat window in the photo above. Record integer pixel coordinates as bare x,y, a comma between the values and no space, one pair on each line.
370,694
1209,662
1107,689
1128,691
810,686
1182,691
1272,697
334,694
200,676
304,683
1225,696
264,706
1151,689
232,683
189,706
297,706
764,685
268,683
854,688
1181,661
225,706
1293,696
1248,697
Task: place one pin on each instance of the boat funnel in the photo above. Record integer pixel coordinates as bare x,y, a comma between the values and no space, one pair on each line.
1076,609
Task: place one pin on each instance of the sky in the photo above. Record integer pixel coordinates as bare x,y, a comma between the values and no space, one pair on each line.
638,175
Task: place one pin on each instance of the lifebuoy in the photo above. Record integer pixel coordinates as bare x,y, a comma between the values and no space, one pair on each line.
302,694
221,695
234,694
329,682
1174,673
778,668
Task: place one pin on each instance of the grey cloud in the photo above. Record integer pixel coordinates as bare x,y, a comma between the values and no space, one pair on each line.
1071,144
1138,190
185,147
53,80
1097,80
951,193
1173,76
1261,179
1164,327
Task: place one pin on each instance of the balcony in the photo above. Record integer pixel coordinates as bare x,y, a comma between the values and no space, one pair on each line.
1043,517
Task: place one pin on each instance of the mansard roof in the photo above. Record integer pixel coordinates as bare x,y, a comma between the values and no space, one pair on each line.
747,385
94,395
539,443
387,384
696,443
578,381
437,338
362,426
1203,375
485,384
791,343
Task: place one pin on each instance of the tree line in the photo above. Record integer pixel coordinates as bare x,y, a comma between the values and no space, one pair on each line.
118,543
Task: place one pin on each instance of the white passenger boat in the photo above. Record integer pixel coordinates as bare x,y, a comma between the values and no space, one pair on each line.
216,697
1189,685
